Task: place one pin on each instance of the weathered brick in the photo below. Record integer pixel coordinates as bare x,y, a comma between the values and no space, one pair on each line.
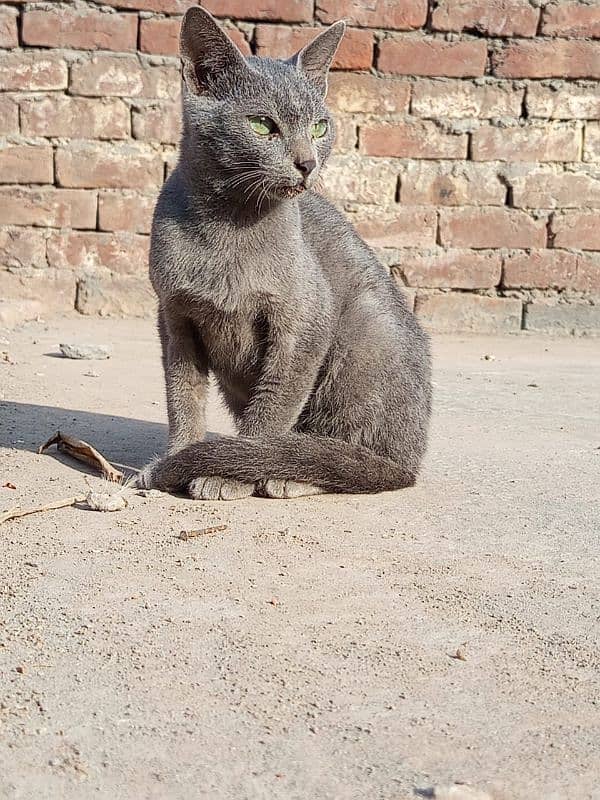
572,18
395,227
160,35
566,318
157,123
500,18
8,27
435,57
22,247
591,148
87,29
411,139
360,180
346,135
553,142
28,70
275,10
75,117
391,14
238,38
48,207
53,289
119,295
578,229
351,94
24,163
453,98
123,76
555,188
587,277
539,269
9,115
157,6
279,41
125,253
424,183
125,211
115,166
484,228
548,59
16,312
568,102
458,312
458,269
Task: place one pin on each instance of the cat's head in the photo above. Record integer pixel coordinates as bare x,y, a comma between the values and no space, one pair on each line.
254,129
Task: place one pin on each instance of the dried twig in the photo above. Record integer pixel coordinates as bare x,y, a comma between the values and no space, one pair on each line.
185,535
24,512
82,451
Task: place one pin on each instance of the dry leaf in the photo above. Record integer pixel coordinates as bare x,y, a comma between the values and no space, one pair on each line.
82,451
9,485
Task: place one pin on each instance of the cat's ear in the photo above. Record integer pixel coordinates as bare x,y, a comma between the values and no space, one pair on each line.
210,59
315,59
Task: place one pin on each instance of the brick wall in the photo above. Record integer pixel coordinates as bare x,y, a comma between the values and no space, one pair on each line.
468,154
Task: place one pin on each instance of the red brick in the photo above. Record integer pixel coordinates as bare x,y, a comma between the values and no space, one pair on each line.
9,115
568,102
424,183
8,27
578,229
395,227
573,18
161,36
75,117
124,76
548,59
553,142
275,10
116,295
456,312
279,41
368,94
360,180
124,253
555,188
238,38
125,211
23,163
31,71
123,166
458,269
48,207
483,228
539,269
157,123
591,148
22,247
55,290
426,56
454,98
157,6
87,29
587,277
391,14
499,18
411,139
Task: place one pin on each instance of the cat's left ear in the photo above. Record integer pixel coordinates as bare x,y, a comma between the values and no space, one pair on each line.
315,59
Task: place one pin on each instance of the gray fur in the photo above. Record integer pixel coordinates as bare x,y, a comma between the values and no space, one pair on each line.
262,282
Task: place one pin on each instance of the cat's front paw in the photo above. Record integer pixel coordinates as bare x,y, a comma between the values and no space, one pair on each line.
219,489
286,490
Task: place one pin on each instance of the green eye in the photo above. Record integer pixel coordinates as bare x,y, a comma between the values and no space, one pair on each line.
263,126
319,129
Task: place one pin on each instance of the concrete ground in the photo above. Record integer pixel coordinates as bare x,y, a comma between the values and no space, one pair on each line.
305,652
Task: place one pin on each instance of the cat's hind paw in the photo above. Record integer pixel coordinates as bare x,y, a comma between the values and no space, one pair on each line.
219,489
286,490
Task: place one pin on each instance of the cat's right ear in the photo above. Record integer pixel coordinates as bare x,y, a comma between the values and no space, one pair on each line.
210,59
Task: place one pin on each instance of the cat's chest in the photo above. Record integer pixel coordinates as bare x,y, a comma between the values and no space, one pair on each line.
234,340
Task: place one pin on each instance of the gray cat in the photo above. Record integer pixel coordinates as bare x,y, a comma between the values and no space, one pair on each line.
264,284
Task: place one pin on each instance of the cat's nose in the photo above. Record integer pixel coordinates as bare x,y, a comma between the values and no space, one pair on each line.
306,167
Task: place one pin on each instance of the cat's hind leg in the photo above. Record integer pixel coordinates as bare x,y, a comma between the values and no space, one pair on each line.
219,489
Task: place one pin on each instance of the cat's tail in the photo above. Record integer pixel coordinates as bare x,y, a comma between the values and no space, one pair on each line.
332,464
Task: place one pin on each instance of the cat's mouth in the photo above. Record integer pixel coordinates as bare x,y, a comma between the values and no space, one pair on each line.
290,191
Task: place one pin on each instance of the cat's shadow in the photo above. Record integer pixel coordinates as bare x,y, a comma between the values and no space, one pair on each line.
123,441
